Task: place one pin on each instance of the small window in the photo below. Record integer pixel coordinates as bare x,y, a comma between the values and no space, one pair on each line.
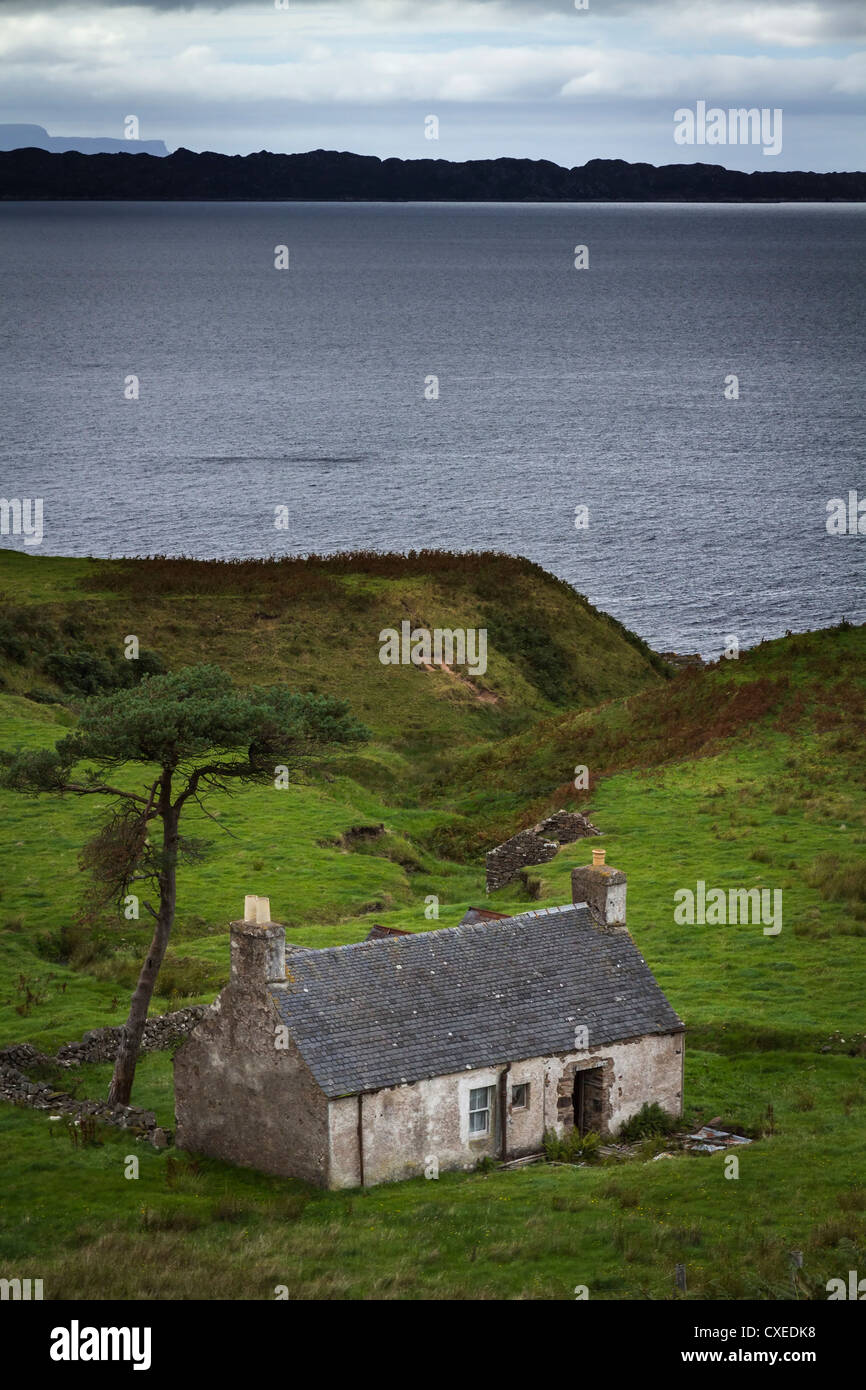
479,1111
520,1096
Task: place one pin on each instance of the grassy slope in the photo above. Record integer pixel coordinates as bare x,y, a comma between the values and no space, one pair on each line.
315,628
750,774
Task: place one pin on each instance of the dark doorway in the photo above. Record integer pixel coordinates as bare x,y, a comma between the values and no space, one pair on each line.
588,1100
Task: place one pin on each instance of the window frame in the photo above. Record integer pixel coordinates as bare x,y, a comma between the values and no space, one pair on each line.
520,1104
486,1109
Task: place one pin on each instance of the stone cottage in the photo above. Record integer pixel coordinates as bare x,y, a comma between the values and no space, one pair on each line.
390,1057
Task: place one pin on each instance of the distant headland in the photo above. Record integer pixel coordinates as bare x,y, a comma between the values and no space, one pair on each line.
331,176
18,137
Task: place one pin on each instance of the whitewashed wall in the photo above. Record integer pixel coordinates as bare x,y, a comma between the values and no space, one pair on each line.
404,1127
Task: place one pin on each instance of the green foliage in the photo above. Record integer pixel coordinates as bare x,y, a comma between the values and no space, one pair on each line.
696,774
839,879
42,697
198,712
172,719
81,671
59,649
23,633
524,635
572,1146
650,1122
13,645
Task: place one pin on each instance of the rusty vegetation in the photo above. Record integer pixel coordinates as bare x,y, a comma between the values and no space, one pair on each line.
689,717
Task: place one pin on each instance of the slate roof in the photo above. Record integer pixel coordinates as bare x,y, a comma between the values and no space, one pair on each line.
397,1010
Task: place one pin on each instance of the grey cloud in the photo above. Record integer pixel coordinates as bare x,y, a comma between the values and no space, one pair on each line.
832,21
836,19
835,14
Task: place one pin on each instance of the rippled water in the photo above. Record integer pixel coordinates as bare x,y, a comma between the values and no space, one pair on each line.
558,388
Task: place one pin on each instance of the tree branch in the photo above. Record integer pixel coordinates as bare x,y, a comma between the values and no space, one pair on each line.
101,789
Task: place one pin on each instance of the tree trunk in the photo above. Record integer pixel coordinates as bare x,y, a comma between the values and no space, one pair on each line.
120,1090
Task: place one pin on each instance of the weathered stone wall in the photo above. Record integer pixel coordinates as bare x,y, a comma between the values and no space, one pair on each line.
535,846
403,1127
17,1088
566,827
603,888
524,849
240,1098
101,1044
634,1073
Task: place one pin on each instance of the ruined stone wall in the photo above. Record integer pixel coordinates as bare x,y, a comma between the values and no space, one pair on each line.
240,1098
520,852
535,846
566,827
101,1044
17,1088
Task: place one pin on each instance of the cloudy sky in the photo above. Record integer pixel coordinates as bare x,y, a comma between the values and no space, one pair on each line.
536,78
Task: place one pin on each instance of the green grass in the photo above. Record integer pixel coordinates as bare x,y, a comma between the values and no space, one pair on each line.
748,774
188,1228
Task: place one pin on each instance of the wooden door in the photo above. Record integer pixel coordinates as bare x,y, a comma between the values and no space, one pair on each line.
588,1100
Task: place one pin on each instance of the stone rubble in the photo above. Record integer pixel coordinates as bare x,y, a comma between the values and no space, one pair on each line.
97,1045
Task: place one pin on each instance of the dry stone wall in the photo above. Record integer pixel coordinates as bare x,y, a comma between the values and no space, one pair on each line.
566,827
535,846
99,1045
17,1088
505,862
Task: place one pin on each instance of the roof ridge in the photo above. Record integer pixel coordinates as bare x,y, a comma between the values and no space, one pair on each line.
513,987
485,927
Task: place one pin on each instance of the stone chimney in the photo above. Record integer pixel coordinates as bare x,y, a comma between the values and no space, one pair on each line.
602,888
258,946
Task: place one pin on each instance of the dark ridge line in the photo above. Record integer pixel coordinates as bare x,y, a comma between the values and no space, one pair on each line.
330,176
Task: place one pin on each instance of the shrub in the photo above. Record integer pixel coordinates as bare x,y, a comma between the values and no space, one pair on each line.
572,1147
837,879
649,1122
41,697
80,671
12,644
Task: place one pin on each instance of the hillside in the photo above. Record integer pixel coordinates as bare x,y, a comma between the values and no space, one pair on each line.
314,624
748,773
802,686
330,175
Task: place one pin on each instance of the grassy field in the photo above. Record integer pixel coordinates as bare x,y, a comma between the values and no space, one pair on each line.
750,773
